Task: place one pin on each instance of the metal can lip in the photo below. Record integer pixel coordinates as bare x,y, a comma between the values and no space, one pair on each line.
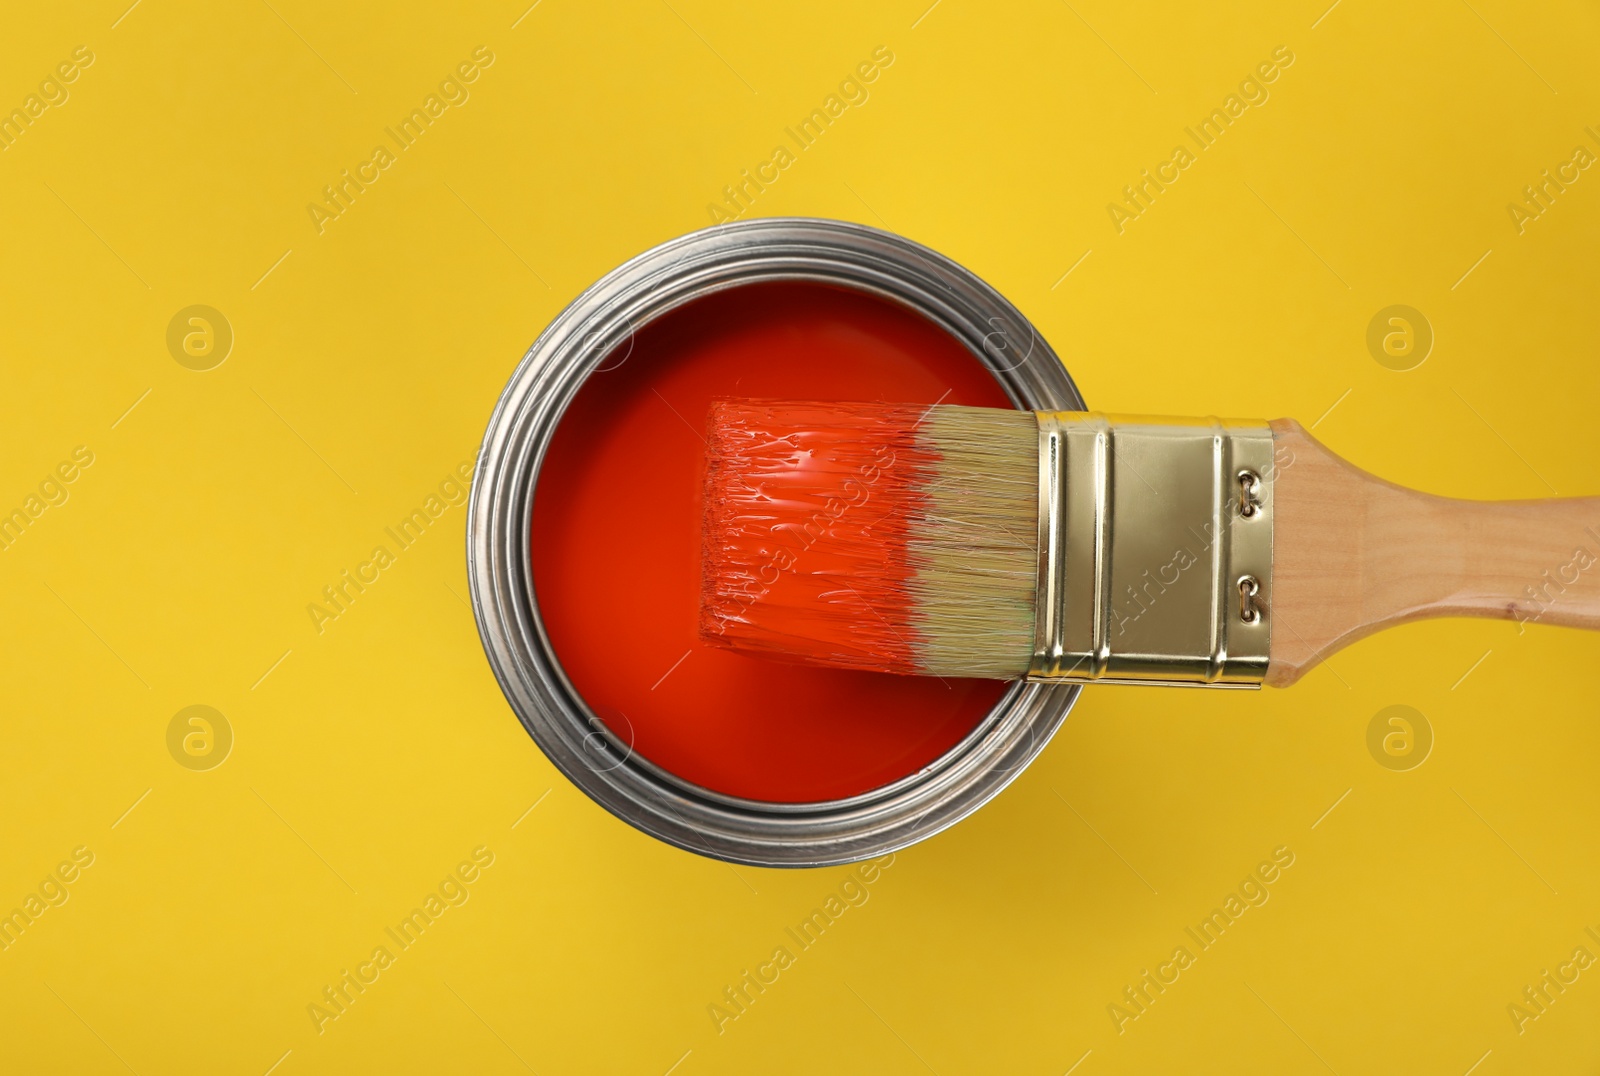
579,340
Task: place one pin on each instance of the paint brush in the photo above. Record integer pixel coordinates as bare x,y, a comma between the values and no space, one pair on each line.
1077,547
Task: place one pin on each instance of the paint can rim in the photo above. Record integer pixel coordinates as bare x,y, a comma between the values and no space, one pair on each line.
577,342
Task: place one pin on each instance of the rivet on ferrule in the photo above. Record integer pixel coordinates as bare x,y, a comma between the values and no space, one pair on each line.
1155,551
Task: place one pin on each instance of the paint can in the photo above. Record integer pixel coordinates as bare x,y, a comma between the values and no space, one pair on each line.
601,323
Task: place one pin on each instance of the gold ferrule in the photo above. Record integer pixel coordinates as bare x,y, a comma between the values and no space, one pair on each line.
1155,551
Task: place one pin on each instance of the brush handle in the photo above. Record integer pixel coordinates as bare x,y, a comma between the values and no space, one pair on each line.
1353,554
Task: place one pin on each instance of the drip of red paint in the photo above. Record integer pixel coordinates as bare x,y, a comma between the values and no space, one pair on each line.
808,512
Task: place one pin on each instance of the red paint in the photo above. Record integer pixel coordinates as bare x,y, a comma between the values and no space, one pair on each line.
616,547
807,531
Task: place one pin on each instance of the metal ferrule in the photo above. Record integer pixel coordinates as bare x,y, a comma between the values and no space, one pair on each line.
1155,551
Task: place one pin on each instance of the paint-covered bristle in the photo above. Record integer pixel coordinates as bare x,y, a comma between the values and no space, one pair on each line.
896,538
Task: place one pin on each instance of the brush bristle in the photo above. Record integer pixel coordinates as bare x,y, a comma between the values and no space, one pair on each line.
894,538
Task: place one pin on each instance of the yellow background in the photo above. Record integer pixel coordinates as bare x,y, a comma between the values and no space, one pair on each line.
373,757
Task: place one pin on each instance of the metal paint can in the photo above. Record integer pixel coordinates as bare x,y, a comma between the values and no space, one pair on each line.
577,343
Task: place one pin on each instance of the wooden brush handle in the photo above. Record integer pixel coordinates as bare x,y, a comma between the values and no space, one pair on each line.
1353,554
